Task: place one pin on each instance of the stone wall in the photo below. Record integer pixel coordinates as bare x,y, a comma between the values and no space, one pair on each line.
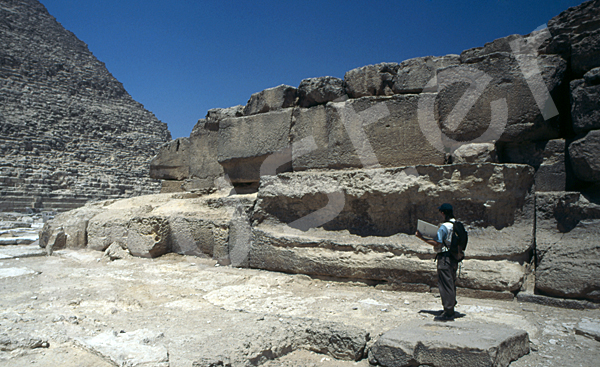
69,131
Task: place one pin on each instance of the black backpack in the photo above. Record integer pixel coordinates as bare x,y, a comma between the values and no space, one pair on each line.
460,237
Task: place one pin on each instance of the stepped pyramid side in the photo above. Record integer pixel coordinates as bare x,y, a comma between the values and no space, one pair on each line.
70,132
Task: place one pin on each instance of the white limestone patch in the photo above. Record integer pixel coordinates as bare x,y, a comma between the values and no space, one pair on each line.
132,349
17,251
15,272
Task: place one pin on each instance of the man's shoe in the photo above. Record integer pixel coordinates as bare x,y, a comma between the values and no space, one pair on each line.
445,316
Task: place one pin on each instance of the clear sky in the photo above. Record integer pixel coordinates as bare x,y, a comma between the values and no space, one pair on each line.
181,58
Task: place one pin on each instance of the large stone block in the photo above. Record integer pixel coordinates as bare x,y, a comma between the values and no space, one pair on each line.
413,75
567,246
585,157
384,202
548,159
362,132
585,102
371,80
316,91
271,99
245,142
72,224
172,161
147,236
475,153
419,343
576,33
197,237
489,98
398,259
204,141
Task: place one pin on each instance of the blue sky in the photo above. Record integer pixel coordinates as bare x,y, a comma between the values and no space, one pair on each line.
181,58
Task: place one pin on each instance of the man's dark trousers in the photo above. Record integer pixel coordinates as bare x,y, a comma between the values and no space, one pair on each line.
446,269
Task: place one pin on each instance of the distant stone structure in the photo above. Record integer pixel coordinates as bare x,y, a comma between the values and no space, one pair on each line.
70,132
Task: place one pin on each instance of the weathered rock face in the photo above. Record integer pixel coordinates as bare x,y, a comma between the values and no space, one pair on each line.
585,96
149,226
499,78
576,33
371,80
271,99
245,142
568,250
548,159
384,202
413,75
362,133
585,157
476,153
316,91
359,224
69,130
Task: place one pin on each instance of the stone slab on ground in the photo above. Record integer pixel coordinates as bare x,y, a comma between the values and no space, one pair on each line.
557,302
17,251
450,344
589,328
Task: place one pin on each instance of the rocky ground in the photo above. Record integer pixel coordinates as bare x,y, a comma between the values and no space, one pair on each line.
76,308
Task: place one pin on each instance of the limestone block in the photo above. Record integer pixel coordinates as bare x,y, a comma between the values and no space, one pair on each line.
197,237
568,251
204,141
523,119
245,142
316,91
104,230
193,158
271,99
585,102
371,80
170,186
72,224
585,156
547,157
116,251
466,343
148,237
589,328
476,153
399,259
362,132
414,74
215,115
384,202
172,161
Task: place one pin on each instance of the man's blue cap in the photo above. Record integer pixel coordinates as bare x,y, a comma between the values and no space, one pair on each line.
445,207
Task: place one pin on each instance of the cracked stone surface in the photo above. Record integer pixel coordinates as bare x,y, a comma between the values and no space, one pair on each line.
201,313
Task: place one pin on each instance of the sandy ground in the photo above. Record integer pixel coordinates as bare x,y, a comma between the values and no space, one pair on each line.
189,308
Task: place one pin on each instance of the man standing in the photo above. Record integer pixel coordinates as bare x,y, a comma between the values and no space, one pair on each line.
447,265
